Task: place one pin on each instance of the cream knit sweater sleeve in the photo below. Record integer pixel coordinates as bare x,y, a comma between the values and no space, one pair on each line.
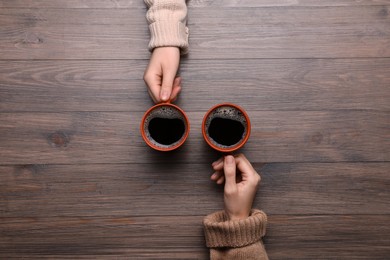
167,21
236,240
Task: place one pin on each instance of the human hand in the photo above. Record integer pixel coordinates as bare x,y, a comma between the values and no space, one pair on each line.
160,74
240,190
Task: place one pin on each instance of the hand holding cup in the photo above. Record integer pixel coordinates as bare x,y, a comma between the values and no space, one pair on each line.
241,183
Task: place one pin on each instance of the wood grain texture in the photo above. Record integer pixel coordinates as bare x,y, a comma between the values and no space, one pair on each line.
126,210
78,182
147,237
328,237
121,4
259,84
292,136
72,4
296,32
36,191
284,3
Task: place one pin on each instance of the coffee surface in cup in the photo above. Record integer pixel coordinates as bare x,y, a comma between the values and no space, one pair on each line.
226,132
226,126
166,131
165,126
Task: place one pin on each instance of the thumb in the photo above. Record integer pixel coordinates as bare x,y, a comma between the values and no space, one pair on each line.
166,87
229,168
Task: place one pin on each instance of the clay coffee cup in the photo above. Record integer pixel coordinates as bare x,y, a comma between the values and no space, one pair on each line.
165,127
226,127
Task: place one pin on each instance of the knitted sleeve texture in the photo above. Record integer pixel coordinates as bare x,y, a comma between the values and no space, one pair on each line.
167,21
240,239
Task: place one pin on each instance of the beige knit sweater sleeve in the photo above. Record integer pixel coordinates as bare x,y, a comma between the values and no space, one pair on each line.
235,240
167,21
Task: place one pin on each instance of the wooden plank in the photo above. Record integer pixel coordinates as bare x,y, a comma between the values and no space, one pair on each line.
293,32
296,32
325,188
292,237
281,3
116,253
260,84
192,4
285,136
281,136
160,253
185,189
328,237
73,34
115,4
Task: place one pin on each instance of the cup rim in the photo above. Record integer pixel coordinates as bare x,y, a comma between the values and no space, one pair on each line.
235,147
165,149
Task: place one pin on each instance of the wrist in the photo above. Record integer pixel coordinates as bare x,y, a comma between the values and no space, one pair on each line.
237,216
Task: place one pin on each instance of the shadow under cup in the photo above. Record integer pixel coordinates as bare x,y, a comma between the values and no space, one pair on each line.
226,127
165,127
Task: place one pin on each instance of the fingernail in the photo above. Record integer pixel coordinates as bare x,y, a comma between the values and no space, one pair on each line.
164,95
229,159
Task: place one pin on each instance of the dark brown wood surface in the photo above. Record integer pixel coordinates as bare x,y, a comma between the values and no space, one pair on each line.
77,181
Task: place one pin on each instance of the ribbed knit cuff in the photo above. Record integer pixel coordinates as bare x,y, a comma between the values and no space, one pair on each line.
221,232
168,33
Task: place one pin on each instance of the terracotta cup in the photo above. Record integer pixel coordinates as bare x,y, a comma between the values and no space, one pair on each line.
165,127
226,127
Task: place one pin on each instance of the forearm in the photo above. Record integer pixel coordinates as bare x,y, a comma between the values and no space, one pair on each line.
232,240
167,21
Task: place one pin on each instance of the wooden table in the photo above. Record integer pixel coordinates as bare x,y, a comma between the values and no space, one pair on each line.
77,181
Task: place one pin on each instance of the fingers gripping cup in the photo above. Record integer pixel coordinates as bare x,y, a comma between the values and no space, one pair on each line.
165,127
226,127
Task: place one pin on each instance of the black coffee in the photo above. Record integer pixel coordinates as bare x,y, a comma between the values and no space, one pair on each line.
226,126
164,127
226,131
166,131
